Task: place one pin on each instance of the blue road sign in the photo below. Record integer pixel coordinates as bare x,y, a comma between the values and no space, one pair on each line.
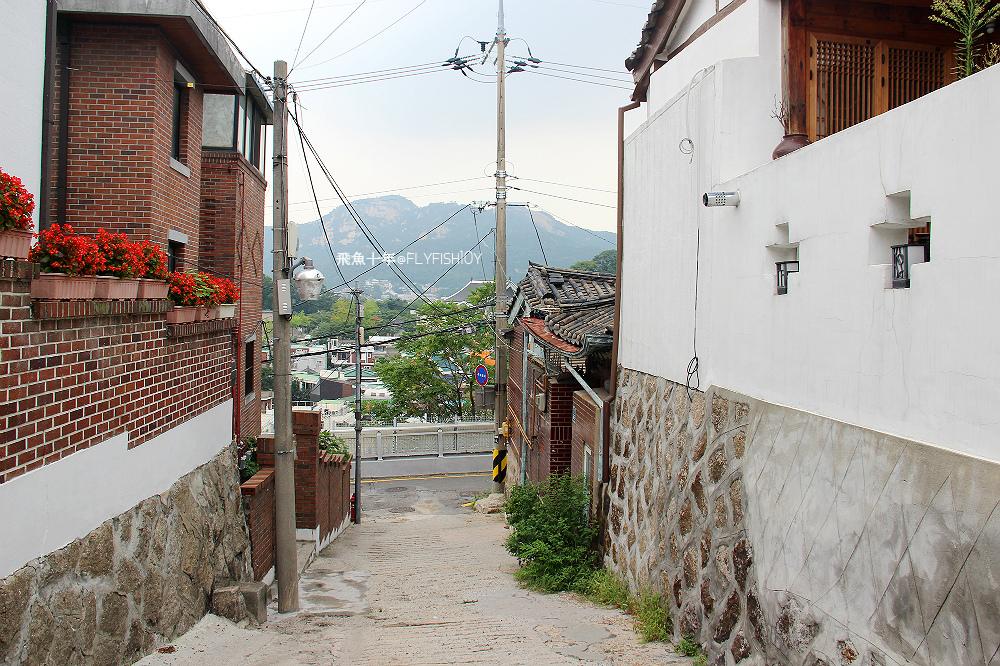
482,375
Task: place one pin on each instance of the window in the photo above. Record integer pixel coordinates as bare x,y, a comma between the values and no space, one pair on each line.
852,79
175,135
248,367
175,255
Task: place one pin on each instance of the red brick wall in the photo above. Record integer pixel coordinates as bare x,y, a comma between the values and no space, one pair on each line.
232,216
306,425
258,506
120,127
78,373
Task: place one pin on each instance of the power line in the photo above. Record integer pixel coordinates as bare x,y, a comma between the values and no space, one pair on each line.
547,182
302,38
328,36
568,223
399,189
538,236
370,38
392,70
556,196
567,78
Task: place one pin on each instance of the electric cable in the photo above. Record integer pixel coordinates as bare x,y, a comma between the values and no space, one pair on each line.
538,236
547,182
398,189
593,83
305,27
566,222
422,2
295,60
322,224
230,40
556,196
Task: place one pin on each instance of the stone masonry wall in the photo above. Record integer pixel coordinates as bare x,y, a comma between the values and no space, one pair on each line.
136,582
675,518
782,537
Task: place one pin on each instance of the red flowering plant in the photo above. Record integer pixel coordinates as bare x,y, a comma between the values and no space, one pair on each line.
225,290
60,250
154,261
122,258
16,204
192,290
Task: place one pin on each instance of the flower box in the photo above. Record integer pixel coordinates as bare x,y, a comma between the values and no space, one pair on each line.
203,313
110,288
59,286
15,243
181,315
153,290
225,311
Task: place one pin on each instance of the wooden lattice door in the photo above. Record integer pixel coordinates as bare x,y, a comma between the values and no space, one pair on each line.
852,79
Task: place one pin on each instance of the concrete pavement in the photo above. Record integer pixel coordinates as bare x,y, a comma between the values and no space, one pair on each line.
422,580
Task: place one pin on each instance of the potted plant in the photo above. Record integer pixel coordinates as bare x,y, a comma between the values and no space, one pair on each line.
184,293
68,264
790,142
153,282
16,205
122,266
227,295
207,295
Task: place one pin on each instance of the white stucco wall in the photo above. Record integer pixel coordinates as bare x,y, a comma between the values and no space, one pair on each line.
920,362
22,50
55,504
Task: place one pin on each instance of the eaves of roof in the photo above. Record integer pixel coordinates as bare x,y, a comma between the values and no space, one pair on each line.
655,33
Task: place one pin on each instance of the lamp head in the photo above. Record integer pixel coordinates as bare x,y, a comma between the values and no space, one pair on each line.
308,281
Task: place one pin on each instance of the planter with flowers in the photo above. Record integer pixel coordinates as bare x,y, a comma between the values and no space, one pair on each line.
68,264
16,205
207,297
227,294
153,282
184,294
122,267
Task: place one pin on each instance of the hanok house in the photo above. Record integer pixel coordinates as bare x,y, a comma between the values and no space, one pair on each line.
117,471
802,434
559,358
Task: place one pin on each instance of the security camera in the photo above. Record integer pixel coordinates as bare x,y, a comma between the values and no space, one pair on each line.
721,199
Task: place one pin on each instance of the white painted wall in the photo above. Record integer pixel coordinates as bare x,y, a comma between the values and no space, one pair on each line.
55,504
923,362
22,50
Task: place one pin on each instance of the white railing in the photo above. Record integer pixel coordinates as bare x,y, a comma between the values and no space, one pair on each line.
440,440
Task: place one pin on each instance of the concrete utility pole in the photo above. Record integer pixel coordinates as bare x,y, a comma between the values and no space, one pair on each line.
360,314
286,567
500,269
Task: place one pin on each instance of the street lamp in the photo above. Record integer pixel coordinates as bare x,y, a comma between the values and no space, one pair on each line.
309,281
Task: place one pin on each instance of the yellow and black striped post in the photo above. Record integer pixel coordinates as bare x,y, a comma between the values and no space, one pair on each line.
499,465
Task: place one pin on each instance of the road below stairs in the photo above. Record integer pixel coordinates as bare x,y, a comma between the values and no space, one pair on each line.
423,580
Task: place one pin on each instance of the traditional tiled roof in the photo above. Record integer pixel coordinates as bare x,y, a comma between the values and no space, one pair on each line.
576,307
659,24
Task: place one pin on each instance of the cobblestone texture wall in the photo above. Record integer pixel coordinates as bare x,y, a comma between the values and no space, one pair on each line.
136,582
675,520
782,537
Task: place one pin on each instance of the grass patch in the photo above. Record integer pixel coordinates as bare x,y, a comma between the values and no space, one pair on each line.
689,647
652,619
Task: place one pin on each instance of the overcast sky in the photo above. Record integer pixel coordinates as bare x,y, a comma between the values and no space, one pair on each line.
402,134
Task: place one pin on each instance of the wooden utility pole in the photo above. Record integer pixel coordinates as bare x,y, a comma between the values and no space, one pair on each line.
500,267
286,567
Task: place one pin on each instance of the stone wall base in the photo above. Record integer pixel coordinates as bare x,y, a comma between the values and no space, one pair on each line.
136,582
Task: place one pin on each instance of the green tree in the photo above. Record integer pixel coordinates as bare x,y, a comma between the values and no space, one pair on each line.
603,262
435,373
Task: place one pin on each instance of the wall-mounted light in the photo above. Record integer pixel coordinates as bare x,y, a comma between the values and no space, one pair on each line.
904,256
783,269
721,198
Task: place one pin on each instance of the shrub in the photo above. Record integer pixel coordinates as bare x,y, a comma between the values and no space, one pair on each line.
333,444
60,250
16,204
154,261
551,536
122,258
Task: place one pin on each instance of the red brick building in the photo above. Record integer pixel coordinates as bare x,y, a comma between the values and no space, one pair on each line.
116,459
559,359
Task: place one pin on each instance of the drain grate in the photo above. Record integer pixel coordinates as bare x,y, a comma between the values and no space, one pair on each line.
402,509
397,489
